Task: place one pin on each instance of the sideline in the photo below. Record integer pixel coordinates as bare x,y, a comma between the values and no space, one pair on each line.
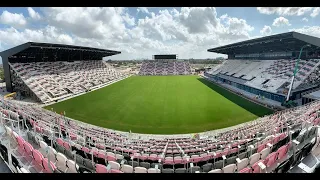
249,99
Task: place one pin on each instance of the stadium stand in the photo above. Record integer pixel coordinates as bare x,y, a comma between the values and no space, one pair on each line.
36,140
269,75
165,68
55,80
42,141
265,66
312,79
56,75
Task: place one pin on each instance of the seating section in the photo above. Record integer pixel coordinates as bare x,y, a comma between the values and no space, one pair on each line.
43,141
313,79
165,68
270,75
51,81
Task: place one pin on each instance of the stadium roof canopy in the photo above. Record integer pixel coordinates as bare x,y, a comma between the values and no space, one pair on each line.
55,52
291,41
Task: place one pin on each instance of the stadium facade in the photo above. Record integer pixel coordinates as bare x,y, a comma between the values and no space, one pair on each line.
264,66
50,72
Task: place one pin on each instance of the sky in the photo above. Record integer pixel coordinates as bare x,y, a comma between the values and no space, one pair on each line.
141,32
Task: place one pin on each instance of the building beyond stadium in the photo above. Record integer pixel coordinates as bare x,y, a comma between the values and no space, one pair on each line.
264,66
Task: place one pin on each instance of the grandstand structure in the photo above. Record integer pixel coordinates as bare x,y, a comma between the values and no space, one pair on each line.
165,67
36,140
265,66
51,72
165,64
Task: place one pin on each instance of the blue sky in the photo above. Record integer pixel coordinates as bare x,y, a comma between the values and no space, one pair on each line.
141,32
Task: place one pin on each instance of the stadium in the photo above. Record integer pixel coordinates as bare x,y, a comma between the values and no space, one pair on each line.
256,112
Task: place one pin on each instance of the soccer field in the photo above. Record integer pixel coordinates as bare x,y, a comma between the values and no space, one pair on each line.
161,105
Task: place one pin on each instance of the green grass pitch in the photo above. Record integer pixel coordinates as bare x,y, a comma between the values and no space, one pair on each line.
161,105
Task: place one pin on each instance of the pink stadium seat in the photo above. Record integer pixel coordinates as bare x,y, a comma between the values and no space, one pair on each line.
178,160
32,122
282,151
233,150
101,168
38,158
28,149
39,129
246,170
261,147
111,158
168,161
225,152
218,154
153,157
276,139
60,141
73,136
21,149
256,168
86,150
46,167
100,146
66,146
271,159
195,159
206,157
100,154
143,157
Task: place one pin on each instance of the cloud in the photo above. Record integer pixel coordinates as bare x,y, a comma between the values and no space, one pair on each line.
88,22
315,12
33,14
129,19
13,19
309,30
285,11
266,30
198,19
305,19
11,36
188,32
281,21
143,9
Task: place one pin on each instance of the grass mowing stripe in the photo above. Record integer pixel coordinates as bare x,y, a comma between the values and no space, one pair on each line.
161,105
